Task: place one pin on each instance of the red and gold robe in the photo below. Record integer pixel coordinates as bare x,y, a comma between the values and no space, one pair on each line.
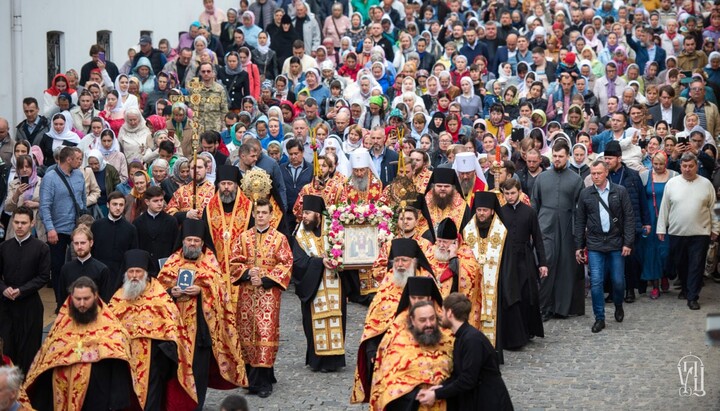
182,200
71,349
331,192
402,365
351,195
225,229
422,180
258,309
469,280
154,316
215,302
456,211
380,315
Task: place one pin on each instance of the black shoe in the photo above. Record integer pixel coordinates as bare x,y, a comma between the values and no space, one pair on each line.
693,305
264,394
546,317
682,295
608,299
630,296
598,326
619,313
326,370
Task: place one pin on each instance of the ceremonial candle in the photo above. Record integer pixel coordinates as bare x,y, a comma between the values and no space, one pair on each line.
497,153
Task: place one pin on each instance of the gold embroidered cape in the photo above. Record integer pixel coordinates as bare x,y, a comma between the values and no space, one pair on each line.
402,364
154,316
182,199
69,351
488,252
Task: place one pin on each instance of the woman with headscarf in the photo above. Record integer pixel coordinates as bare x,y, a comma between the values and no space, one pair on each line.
540,142
212,166
333,145
135,202
59,85
264,57
179,177
591,38
249,28
25,194
577,161
200,44
357,31
493,91
712,69
235,80
436,125
252,71
374,114
452,126
574,122
620,58
135,137
611,43
405,46
275,132
106,176
283,40
179,128
110,150
122,86
60,134
598,68
227,29
471,104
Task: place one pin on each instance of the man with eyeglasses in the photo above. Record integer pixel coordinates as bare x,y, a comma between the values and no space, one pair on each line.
706,111
213,104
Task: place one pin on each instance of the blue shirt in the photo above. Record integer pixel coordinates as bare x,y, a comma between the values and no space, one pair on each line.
651,53
57,208
604,215
377,161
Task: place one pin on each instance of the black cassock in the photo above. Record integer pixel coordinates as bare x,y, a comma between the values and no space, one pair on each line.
111,240
91,268
475,382
307,274
163,367
156,235
110,388
520,316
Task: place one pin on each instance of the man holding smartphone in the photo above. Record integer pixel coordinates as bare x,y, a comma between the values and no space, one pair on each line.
97,62
605,228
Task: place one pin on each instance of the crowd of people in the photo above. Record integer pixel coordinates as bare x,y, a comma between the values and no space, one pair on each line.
531,154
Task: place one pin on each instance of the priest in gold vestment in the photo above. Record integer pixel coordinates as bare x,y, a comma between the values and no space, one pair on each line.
159,345
84,363
406,261
188,204
192,277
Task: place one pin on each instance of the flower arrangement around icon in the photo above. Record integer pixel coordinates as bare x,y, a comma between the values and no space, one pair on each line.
342,215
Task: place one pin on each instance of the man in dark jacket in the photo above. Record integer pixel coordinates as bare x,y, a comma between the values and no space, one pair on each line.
296,174
475,382
34,127
156,229
630,179
157,58
384,160
605,228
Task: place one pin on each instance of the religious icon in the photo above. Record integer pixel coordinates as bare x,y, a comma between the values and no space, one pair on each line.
186,278
361,246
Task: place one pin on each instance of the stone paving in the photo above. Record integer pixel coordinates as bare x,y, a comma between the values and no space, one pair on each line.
632,365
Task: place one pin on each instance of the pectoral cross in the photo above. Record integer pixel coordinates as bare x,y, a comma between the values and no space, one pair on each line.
79,350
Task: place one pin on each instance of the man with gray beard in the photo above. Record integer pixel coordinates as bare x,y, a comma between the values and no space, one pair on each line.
364,185
152,320
408,275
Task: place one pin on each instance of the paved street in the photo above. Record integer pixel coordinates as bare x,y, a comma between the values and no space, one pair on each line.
632,365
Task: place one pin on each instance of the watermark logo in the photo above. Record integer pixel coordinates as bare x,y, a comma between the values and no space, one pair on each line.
692,376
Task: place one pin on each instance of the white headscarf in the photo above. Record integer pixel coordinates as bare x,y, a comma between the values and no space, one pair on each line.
343,165
95,153
67,134
212,170
117,86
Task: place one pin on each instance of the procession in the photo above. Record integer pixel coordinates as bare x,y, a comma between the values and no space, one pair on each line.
393,205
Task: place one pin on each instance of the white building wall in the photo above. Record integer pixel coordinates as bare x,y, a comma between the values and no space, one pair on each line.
80,20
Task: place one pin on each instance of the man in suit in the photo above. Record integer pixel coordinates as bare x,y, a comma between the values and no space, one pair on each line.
475,382
296,173
646,50
666,110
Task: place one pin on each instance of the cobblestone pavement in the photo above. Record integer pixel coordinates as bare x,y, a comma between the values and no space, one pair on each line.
632,365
